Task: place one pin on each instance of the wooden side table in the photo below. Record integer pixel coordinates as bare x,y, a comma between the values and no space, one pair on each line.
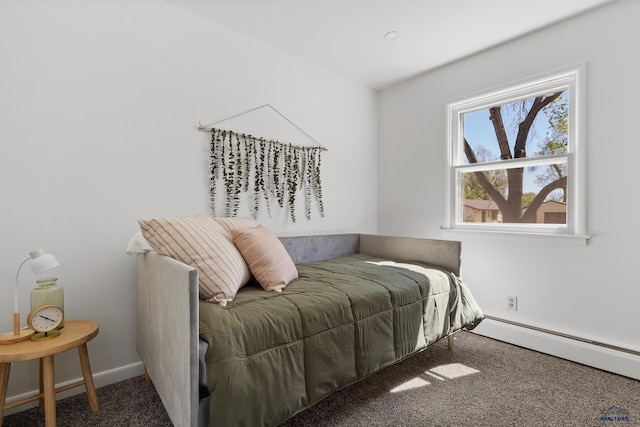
76,333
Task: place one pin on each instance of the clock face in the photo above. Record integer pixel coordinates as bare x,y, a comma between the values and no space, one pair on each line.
45,318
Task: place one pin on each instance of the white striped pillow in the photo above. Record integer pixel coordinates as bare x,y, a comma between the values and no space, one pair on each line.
202,243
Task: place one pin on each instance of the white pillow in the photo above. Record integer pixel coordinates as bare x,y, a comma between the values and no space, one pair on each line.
138,245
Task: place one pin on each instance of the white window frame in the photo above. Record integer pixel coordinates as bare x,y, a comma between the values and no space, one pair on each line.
573,78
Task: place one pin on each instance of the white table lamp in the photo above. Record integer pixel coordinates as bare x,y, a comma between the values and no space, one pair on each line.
40,262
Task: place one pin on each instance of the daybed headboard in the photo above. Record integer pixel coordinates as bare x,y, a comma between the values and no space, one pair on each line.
316,248
439,253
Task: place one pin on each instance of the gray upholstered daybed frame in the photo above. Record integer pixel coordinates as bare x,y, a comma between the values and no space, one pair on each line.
168,340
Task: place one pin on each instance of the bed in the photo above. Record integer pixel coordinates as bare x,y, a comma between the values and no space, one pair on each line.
357,306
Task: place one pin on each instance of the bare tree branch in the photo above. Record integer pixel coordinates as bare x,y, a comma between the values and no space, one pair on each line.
482,178
519,148
530,213
495,115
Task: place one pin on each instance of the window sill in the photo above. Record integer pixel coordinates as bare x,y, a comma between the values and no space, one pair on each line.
513,233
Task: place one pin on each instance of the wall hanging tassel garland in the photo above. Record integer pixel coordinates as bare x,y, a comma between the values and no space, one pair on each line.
273,171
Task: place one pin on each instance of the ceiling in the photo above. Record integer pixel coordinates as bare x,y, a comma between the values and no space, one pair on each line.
347,36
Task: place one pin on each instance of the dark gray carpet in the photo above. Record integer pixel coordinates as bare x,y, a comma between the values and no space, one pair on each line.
129,403
482,383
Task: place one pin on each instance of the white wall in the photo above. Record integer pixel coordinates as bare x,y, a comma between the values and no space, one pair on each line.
99,103
590,290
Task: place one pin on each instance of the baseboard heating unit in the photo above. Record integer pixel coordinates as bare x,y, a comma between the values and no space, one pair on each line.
606,356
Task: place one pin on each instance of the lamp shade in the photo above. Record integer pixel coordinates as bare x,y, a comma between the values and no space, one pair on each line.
42,261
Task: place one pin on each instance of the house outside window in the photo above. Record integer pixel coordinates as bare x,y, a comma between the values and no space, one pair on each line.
516,158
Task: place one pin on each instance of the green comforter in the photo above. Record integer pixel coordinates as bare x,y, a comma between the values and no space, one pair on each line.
273,354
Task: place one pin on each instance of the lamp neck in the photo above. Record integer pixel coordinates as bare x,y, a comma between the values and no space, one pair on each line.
16,308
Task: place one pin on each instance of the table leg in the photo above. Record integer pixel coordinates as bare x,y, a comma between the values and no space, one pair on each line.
41,386
4,382
49,386
88,378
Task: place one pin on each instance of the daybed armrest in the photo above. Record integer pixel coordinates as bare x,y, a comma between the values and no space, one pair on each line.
439,253
168,332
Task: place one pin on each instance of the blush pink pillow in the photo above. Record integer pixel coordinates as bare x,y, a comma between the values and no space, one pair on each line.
267,258
232,223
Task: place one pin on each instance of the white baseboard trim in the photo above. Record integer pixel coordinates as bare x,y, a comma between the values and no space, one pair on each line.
100,379
617,362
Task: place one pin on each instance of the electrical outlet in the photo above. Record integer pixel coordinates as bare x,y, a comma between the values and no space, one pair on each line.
512,303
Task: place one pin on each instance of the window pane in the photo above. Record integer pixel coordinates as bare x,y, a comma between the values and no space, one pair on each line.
541,200
532,127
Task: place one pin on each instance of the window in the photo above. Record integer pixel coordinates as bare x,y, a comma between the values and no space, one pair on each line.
516,158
